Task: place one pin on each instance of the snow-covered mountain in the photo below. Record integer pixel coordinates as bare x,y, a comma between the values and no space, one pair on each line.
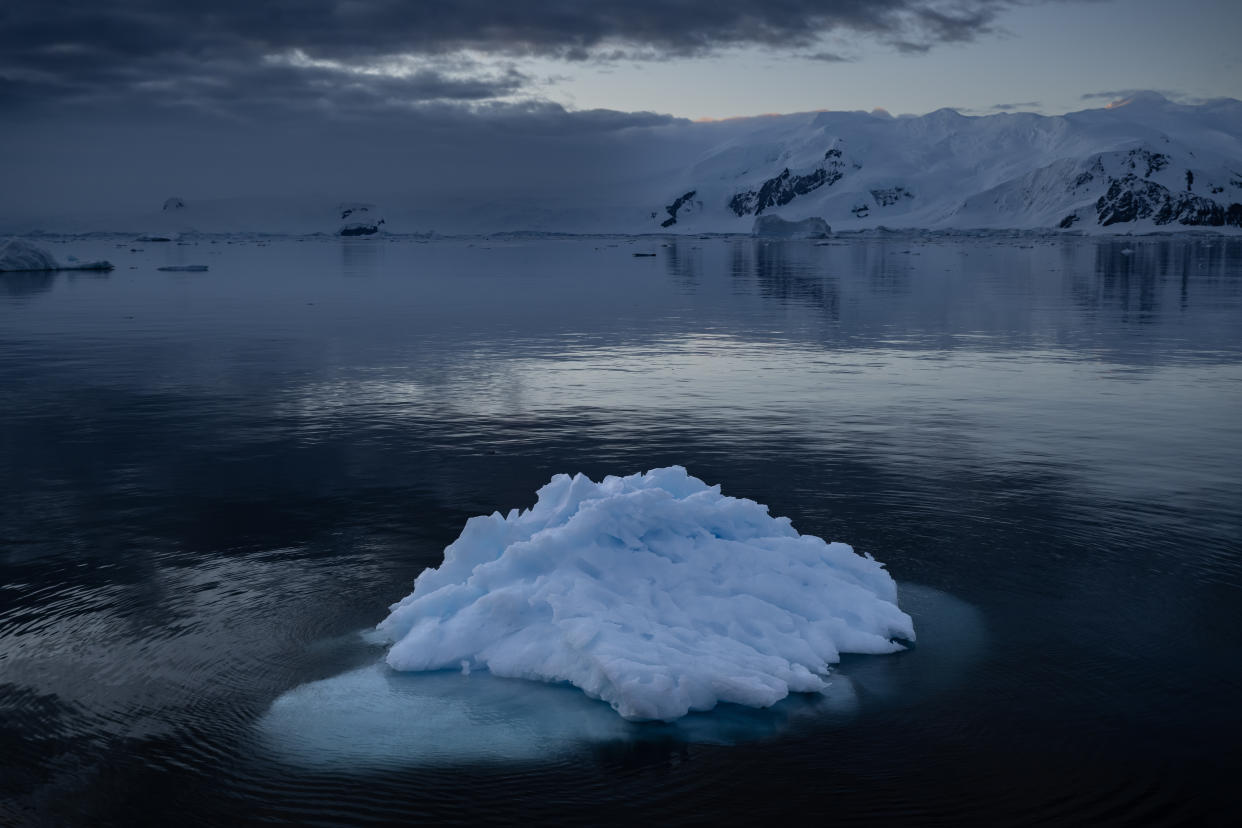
1142,164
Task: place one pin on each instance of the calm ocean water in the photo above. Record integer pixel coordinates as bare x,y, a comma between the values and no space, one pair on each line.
211,482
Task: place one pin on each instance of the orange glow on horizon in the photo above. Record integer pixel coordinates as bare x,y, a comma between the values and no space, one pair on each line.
709,120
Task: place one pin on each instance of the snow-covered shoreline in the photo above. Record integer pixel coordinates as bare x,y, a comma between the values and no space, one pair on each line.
895,236
1143,165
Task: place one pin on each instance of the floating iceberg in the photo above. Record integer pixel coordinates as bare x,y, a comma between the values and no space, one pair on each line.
653,592
374,716
359,220
18,255
778,228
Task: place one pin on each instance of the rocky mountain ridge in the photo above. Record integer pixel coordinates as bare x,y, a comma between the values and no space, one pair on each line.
1145,163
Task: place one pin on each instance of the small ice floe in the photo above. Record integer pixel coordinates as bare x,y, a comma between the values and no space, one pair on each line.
183,268
653,592
18,255
1127,251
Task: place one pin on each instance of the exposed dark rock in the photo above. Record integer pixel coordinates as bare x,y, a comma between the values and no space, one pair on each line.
1150,161
1068,221
890,196
784,188
1184,208
1128,199
1190,180
1131,198
674,207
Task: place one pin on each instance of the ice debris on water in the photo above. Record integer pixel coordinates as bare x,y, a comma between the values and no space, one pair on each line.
18,255
654,592
775,227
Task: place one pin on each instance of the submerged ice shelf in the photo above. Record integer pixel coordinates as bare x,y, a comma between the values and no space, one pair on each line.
375,717
654,592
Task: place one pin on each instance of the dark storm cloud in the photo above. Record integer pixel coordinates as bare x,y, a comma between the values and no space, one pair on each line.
1174,95
174,79
962,23
1009,107
907,47
360,28
826,57
218,53
1110,95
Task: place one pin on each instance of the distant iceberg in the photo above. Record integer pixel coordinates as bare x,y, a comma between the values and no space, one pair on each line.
653,592
359,220
18,255
778,228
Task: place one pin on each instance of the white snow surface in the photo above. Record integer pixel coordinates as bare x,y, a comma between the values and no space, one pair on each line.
945,170
654,592
1142,164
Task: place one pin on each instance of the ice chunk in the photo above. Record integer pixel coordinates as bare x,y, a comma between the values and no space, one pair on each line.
654,592
20,255
373,717
376,717
777,227
359,220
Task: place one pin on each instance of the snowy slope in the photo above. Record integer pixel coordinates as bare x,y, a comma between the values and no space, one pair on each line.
1144,164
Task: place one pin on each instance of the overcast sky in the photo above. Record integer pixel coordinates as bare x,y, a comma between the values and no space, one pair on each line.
167,96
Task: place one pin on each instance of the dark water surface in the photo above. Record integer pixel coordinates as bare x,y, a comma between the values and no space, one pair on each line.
210,482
